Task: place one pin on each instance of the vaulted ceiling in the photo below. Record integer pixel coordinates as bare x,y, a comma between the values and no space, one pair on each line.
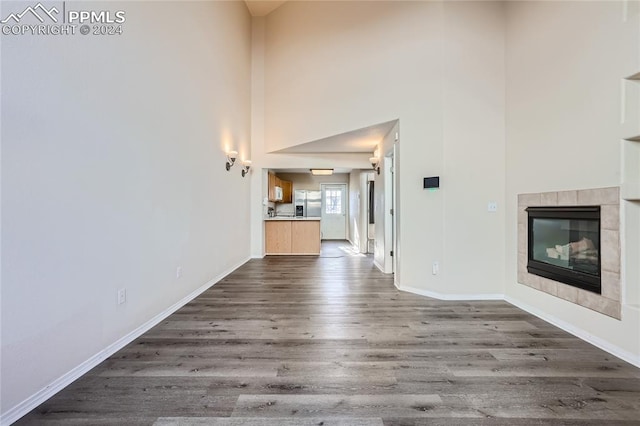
263,7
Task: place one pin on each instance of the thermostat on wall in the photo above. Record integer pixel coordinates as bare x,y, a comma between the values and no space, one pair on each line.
431,182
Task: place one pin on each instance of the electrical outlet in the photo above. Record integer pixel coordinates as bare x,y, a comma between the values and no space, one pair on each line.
435,268
122,296
492,207
179,272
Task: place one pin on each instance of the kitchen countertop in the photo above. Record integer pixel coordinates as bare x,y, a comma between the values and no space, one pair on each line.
290,218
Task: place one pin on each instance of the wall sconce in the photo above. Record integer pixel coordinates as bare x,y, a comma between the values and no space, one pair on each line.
246,166
231,158
374,163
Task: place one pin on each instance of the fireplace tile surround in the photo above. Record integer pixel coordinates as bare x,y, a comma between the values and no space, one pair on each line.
607,303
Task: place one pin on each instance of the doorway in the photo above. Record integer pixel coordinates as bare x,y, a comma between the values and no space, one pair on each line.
333,225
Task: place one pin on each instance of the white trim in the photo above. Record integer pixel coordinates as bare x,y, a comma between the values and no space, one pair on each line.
377,265
578,332
255,256
448,296
24,407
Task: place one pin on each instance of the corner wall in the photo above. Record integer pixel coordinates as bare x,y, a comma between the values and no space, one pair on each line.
113,176
331,67
565,64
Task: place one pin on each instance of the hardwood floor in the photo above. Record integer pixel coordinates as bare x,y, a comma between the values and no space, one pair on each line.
329,341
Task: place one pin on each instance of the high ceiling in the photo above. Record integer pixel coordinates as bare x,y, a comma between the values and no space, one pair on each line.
358,141
263,7
363,140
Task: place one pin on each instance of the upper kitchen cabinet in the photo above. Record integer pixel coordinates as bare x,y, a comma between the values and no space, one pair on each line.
286,187
272,187
287,191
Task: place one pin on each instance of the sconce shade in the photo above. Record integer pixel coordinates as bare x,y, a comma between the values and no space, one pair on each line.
231,158
246,166
374,163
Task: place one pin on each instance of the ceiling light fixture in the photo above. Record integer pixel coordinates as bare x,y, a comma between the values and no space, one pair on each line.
321,172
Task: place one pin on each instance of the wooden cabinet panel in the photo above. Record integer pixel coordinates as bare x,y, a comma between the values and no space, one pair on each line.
287,191
305,237
277,237
292,237
271,193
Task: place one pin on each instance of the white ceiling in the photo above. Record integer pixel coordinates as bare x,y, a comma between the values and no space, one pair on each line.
363,140
263,7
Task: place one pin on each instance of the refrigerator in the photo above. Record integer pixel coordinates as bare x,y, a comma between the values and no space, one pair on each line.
308,203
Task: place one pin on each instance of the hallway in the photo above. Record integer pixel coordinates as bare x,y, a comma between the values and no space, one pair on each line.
329,340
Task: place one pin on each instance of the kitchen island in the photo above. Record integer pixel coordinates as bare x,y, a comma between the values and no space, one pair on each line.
292,236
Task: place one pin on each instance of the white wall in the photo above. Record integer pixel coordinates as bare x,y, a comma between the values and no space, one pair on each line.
474,148
565,61
331,67
358,208
262,156
112,176
383,202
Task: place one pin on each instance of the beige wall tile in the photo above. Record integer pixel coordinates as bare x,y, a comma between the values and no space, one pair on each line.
522,238
531,281
567,198
594,197
610,217
610,250
523,217
529,199
611,285
567,292
599,304
549,199
522,261
549,286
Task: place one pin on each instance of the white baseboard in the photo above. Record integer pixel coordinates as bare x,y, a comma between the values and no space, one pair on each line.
377,265
443,296
569,328
578,332
18,411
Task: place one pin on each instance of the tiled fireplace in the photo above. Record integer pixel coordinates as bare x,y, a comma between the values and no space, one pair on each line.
569,246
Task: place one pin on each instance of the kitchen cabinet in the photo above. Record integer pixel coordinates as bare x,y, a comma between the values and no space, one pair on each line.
272,187
305,237
287,189
277,237
292,237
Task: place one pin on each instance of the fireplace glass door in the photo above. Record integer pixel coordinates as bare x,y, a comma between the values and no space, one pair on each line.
564,245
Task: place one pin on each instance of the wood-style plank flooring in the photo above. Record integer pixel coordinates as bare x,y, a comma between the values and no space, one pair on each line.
330,341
